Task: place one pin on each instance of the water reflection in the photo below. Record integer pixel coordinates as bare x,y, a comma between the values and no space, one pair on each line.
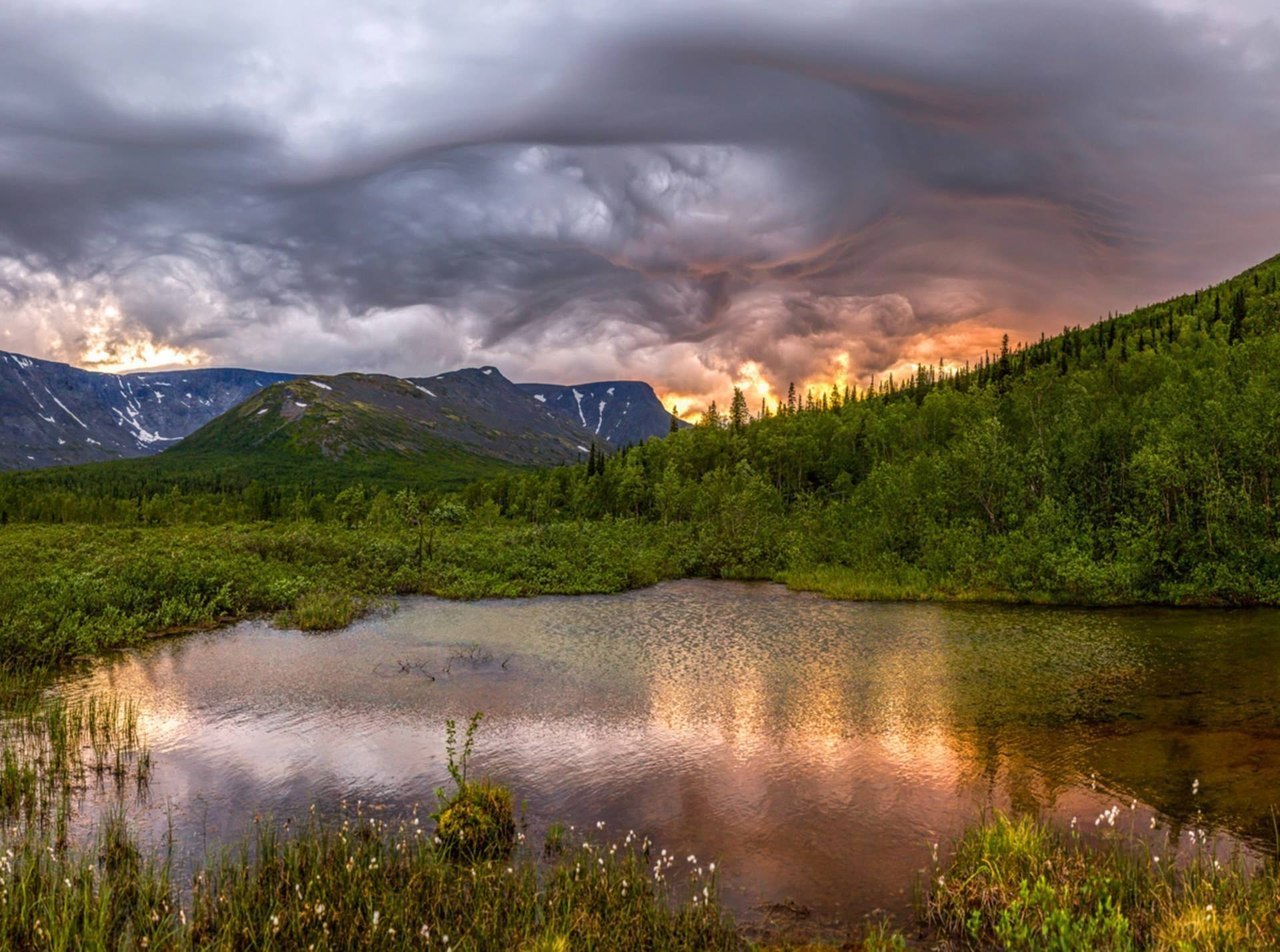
815,748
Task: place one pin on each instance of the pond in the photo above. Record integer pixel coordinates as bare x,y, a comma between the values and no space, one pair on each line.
815,749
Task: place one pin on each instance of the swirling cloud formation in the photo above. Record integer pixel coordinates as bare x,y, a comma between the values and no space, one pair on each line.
573,189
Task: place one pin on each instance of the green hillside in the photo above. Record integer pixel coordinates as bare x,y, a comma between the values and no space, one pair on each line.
1136,459
286,449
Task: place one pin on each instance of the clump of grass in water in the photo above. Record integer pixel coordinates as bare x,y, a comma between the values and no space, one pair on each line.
476,822
553,844
50,746
326,610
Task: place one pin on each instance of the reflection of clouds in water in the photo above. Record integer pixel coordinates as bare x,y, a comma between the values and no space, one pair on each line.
791,737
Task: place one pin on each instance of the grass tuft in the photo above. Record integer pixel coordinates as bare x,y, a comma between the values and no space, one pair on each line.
326,610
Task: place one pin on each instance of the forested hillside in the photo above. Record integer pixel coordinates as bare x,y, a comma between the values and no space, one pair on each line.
1138,458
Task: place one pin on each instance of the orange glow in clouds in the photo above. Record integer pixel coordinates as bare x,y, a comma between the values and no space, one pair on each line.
953,345
106,347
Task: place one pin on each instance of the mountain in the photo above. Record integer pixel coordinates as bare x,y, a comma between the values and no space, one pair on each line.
622,412
355,418
53,414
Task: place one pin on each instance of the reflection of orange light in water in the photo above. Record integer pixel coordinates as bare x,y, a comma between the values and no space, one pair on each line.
819,725
745,729
820,714
156,725
911,709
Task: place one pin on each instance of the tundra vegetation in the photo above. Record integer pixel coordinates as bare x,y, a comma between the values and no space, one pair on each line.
1133,461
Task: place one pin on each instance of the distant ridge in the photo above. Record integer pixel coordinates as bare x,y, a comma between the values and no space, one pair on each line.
53,414
352,417
623,412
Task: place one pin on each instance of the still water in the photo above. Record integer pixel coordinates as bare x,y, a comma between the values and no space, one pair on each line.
815,749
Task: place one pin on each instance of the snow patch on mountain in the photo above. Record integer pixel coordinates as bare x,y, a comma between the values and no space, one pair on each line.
69,413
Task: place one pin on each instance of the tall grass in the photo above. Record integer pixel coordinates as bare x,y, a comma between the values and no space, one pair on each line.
357,883
52,748
369,884
1015,883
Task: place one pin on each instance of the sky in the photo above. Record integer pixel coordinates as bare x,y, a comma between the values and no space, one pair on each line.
693,194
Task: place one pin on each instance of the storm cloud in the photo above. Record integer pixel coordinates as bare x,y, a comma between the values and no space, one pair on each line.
692,194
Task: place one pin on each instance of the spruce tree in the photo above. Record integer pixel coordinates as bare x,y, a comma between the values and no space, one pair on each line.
711,419
1238,312
739,415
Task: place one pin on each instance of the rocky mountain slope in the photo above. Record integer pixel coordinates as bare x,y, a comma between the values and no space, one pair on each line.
620,412
53,414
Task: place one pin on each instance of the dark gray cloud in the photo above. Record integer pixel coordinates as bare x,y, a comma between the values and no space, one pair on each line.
574,189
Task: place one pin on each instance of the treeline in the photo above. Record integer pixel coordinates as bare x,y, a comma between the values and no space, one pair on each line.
222,488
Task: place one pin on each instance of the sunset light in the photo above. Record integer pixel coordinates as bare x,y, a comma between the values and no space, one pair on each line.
597,474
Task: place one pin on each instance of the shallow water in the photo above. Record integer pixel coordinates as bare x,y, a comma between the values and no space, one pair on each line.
815,749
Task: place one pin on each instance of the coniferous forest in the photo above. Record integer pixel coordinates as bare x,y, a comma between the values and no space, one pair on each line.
1135,459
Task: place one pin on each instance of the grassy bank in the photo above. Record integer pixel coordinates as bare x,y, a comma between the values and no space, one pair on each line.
78,590
1016,884
904,584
